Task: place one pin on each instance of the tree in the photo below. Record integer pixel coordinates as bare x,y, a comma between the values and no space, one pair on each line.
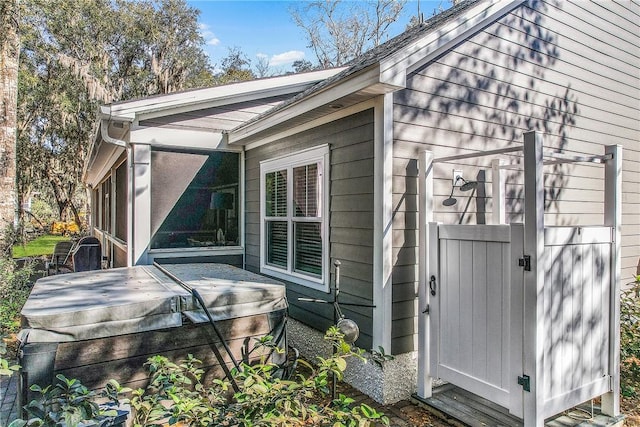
9,51
302,65
236,67
78,54
339,31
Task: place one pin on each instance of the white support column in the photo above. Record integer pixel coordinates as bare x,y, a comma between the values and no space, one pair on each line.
425,216
498,191
131,191
141,203
613,219
534,280
382,221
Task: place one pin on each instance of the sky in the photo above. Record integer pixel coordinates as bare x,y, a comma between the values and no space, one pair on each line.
265,28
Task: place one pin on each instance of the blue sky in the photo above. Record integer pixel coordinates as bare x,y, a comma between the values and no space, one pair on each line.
266,28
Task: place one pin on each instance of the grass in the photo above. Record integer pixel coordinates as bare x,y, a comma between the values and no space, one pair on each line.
42,245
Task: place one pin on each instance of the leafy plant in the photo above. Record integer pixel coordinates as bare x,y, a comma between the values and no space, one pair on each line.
380,356
5,368
176,394
68,403
14,290
630,339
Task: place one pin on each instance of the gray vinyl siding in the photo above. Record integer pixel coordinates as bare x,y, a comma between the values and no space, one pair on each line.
351,217
567,69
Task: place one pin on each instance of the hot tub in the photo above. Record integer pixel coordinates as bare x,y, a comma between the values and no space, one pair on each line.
104,324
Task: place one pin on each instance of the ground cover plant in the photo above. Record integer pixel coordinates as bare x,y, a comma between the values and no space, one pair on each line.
15,286
39,246
630,349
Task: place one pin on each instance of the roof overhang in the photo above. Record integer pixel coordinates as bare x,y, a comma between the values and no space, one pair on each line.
387,75
118,124
197,99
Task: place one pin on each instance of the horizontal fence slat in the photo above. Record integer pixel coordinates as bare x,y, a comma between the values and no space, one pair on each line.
486,233
555,236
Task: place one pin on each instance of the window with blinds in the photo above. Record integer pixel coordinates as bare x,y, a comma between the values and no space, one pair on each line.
293,233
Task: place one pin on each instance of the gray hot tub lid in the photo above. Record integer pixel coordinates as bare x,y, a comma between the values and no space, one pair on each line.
227,291
120,301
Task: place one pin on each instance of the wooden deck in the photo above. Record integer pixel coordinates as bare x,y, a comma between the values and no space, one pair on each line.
471,410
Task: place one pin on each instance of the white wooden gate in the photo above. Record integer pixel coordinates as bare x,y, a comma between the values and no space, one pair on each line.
476,310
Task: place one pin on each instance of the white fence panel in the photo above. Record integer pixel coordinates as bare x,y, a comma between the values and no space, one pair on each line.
577,312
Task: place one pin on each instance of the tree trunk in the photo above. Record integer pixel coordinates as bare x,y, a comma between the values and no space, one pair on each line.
9,51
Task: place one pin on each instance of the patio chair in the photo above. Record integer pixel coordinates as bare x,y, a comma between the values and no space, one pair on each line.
60,256
87,254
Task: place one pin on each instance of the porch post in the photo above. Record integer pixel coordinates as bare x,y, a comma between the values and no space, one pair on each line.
425,216
613,219
497,190
534,279
141,203
382,222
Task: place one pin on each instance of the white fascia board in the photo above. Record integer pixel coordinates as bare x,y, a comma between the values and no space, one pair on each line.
217,95
395,68
368,79
161,137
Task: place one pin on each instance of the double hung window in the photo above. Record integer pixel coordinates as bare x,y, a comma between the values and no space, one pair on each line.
294,217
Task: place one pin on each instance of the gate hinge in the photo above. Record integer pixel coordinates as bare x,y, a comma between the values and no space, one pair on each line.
525,382
525,262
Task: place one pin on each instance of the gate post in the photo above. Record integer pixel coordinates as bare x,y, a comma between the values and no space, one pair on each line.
613,219
425,215
534,279
498,196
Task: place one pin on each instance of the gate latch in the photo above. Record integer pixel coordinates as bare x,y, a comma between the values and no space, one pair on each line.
525,382
525,262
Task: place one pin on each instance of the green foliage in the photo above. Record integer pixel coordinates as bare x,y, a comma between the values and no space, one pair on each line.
14,291
42,211
68,403
380,356
76,55
39,246
176,394
5,368
630,339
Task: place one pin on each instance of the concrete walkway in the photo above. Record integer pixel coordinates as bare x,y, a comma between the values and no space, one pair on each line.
8,399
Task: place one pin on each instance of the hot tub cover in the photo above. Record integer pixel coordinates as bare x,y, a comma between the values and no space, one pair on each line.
97,304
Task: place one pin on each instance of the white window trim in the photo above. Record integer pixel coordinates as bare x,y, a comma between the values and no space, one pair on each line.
304,157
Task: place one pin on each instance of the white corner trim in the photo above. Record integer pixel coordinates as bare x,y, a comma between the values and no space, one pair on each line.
395,68
382,222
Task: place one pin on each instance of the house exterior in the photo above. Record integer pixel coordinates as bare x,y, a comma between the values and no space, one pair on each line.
330,171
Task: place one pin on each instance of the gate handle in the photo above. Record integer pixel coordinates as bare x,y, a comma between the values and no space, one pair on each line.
432,285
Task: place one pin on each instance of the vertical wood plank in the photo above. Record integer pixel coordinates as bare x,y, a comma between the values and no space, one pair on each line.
516,393
434,302
506,312
494,313
466,349
479,327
